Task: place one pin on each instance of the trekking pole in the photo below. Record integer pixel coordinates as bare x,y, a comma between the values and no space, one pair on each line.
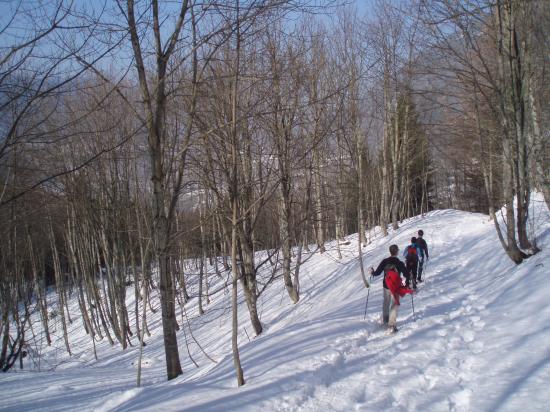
366,305
368,293
425,269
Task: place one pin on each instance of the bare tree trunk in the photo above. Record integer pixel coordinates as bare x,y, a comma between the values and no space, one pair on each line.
5,333
234,210
284,232
144,297
360,180
78,268
361,187
39,290
319,219
59,280
508,191
234,302
223,241
249,282
155,110
509,128
201,280
385,198
395,162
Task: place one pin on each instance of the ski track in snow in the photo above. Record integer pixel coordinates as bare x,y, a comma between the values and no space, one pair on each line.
474,343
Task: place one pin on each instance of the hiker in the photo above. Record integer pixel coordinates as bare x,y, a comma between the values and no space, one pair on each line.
421,243
411,254
393,288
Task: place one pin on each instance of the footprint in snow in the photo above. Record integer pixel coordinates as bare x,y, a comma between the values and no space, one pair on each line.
477,323
468,336
476,347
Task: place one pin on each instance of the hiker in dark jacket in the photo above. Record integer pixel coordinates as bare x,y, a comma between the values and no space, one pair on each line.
392,268
411,254
421,243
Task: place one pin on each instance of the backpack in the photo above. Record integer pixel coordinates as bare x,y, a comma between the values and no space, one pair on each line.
412,255
393,280
391,275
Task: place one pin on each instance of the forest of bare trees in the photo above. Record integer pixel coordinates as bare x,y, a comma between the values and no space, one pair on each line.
143,141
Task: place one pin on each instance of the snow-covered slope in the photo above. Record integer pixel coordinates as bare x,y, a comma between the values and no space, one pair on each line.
479,340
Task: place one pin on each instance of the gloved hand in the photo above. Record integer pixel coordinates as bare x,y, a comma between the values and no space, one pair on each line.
371,270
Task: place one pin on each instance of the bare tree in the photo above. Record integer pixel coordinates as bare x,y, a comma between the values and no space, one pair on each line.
490,58
154,95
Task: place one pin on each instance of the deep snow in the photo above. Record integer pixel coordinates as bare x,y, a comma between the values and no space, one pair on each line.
479,339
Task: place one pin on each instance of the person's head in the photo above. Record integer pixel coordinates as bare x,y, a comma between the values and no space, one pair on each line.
413,239
393,250
420,233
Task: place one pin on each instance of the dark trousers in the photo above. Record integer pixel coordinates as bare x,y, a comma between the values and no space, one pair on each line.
412,268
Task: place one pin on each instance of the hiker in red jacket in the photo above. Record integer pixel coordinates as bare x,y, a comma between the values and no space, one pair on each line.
393,287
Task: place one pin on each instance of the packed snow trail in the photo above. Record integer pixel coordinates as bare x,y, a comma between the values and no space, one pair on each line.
477,342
